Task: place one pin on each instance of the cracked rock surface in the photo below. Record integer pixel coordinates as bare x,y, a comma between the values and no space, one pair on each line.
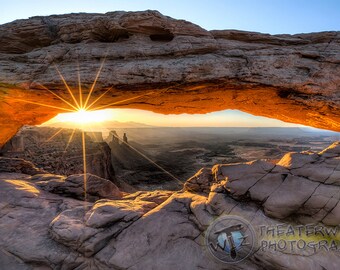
306,185
43,229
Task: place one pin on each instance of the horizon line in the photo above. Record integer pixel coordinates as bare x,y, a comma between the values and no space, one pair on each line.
151,126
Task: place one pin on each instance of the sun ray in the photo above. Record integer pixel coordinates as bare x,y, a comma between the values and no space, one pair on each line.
70,139
84,162
94,83
79,87
89,130
150,160
54,135
67,87
41,104
62,99
92,132
120,101
94,102
65,150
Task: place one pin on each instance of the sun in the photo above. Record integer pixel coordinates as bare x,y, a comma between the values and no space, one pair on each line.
84,117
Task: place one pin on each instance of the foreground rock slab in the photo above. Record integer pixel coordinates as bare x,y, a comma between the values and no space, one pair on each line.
304,185
76,186
165,230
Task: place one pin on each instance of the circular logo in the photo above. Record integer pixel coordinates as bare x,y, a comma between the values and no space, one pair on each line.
230,239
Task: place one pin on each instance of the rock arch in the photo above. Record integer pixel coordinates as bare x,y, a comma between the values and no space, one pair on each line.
294,78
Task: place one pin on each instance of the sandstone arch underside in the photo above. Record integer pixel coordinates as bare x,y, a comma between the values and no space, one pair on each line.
166,66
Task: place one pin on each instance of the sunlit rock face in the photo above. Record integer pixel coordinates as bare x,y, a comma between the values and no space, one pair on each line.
305,186
175,65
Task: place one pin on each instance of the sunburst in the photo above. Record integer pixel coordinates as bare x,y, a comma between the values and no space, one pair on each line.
149,159
83,105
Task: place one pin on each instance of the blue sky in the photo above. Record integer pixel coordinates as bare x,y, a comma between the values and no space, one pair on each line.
269,16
